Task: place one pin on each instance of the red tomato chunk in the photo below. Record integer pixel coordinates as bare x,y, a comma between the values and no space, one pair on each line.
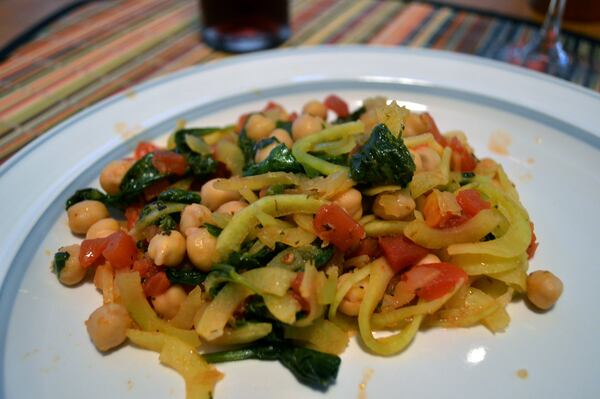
156,284
471,202
118,248
447,278
333,224
400,252
144,148
337,105
169,162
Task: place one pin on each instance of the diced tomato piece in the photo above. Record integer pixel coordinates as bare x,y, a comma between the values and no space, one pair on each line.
169,162
400,252
437,217
132,214
333,224
462,159
448,277
145,267
471,202
143,148
156,188
433,129
120,250
337,105
91,251
293,116
533,244
156,284
369,246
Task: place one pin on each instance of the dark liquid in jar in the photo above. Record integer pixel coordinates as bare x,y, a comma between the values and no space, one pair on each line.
244,25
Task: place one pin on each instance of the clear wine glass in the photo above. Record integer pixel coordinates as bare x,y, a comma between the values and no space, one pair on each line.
544,52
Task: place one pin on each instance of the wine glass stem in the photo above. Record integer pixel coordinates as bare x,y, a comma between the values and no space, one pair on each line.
552,22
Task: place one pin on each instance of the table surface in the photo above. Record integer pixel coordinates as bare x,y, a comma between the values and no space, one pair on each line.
105,47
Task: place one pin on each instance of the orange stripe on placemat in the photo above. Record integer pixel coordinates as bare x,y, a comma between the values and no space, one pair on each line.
405,23
315,9
44,48
93,60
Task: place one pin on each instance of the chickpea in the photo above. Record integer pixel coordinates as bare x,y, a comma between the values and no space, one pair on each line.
107,326
232,207
201,248
113,173
167,248
283,137
264,152
393,206
305,125
414,124
276,112
213,197
543,289
258,127
350,305
428,259
315,108
102,228
351,201
84,214
430,159
168,303
73,272
194,215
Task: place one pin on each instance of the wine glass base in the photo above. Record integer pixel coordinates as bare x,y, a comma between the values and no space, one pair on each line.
540,55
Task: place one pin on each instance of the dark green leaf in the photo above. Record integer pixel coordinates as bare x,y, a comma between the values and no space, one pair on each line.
246,144
212,229
185,276
384,159
310,367
243,260
341,159
201,166
179,195
180,144
167,223
87,194
323,256
279,160
139,177
285,125
466,178
60,261
354,116
296,258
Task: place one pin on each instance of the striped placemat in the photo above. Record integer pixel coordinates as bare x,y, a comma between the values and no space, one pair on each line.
106,47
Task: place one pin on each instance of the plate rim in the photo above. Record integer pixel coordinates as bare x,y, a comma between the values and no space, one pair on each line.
199,69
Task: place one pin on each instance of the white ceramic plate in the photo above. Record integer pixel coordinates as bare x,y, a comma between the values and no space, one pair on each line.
553,157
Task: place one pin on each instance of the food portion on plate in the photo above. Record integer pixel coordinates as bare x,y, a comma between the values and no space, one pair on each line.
277,237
